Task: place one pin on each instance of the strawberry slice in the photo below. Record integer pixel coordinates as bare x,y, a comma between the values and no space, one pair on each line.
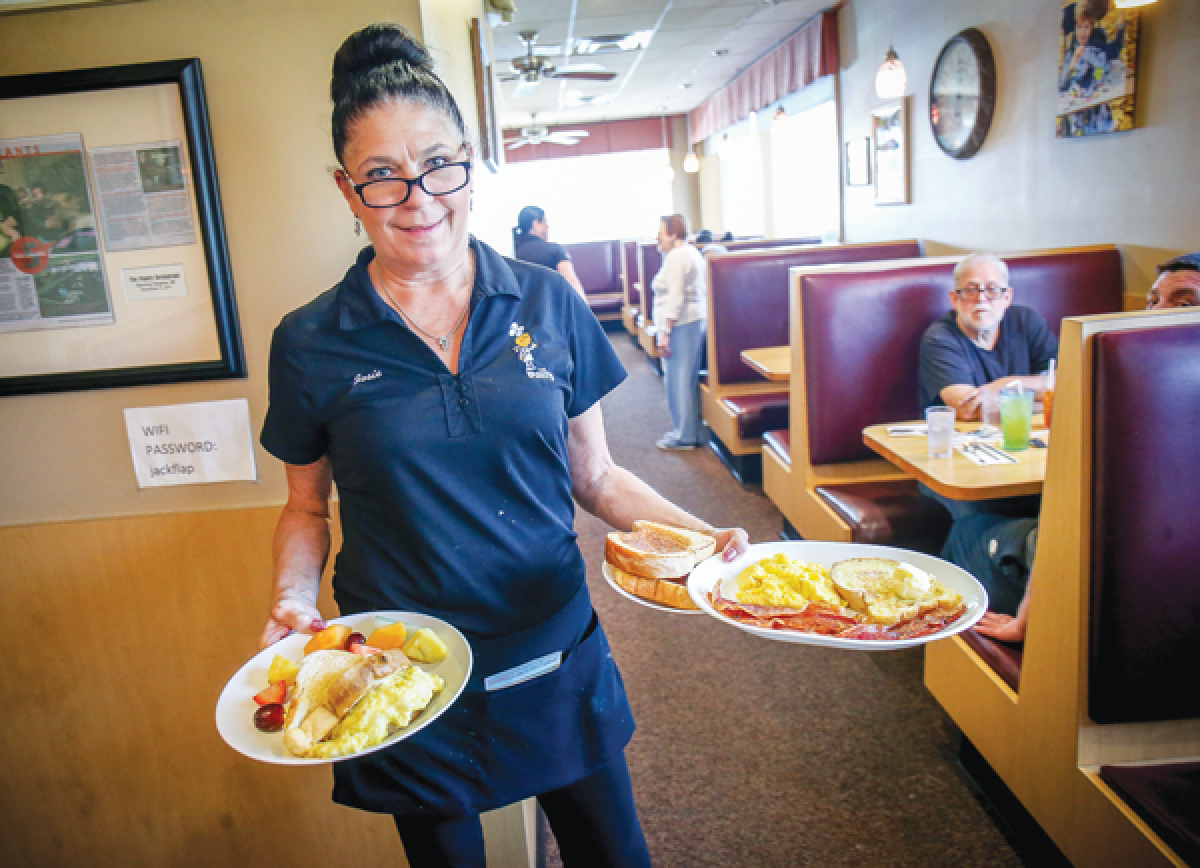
363,649
277,692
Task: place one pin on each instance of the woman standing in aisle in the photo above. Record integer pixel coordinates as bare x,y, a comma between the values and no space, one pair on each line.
453,396
680,319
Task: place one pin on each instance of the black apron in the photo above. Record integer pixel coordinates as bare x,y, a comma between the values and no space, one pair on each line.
490,749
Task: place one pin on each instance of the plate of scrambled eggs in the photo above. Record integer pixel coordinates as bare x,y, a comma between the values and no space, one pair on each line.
785,591
236,706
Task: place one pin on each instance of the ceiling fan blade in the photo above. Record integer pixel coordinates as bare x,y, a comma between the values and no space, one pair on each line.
575,134
585,76
560,139
581,67
516,143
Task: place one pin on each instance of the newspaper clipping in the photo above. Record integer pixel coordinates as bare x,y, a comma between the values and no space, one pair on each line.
51,270
144,197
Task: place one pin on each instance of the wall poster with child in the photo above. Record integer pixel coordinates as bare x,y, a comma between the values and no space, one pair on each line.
1097,68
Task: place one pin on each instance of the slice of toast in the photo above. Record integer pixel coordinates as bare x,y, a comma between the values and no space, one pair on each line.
701,545
887,591
662,591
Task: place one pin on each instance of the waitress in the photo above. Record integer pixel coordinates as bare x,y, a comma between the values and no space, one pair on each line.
453,396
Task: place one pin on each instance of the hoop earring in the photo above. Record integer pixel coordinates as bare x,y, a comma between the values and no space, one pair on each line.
357,226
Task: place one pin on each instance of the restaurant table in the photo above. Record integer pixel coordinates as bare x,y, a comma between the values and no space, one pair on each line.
774,363
958,477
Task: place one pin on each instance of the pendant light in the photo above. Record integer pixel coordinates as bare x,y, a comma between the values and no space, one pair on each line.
1133,4
691,163
891,81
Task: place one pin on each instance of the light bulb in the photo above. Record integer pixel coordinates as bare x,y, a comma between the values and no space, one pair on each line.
891,81
1133,4
691,163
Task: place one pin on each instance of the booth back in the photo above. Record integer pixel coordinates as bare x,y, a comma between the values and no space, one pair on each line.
862,333
749,297
1145,614
598,265
767,243
649,261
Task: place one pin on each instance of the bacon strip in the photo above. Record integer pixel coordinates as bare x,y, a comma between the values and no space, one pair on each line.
827,620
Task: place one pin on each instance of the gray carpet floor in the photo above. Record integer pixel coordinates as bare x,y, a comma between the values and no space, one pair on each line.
757,753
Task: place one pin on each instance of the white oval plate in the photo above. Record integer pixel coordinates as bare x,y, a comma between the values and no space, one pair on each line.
607,570
236,707
706,576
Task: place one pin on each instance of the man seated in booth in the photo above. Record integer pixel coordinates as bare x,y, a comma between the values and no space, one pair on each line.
972,352
1000,553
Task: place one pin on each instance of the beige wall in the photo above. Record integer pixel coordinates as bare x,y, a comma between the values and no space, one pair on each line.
1026,188
266,69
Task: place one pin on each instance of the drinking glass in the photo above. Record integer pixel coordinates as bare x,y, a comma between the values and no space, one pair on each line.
1016,418
939,422
989,414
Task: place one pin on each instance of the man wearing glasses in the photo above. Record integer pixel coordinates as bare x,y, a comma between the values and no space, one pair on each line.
984,343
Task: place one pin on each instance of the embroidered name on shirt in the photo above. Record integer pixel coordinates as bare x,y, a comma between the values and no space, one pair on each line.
524,346
365,378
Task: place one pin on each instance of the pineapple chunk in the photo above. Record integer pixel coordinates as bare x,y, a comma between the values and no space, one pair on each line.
282,669
424,646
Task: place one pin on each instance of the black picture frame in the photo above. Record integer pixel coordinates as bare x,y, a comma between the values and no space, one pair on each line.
490,151
984,100
185,74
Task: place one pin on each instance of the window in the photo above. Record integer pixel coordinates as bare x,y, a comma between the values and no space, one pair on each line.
805,179
739,151
591,198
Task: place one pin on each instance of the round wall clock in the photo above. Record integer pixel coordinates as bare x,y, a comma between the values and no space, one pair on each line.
962,94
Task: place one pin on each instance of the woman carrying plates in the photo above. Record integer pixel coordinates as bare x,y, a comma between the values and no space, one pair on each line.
453,396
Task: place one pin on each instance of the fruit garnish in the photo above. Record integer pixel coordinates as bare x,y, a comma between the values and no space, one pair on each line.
424,646
389,638
283,670
273,695
332,638
354,639
269,718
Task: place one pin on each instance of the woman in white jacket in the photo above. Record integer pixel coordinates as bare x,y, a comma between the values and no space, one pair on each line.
680,313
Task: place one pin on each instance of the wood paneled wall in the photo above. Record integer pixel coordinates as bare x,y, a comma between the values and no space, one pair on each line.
118,637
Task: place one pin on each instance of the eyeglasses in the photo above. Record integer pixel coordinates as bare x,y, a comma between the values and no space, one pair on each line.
972,293
438,181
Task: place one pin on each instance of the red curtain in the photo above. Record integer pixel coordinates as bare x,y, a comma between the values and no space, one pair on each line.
808,54
608,137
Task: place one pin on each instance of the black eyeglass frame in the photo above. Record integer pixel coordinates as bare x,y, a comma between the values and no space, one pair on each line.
418,181
973,293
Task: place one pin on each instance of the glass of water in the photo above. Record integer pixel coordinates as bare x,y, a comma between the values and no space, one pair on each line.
939,422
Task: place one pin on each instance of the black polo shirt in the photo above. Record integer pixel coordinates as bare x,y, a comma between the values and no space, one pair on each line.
455,491
542,252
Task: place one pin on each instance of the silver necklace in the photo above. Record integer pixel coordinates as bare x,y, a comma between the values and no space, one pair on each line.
444,340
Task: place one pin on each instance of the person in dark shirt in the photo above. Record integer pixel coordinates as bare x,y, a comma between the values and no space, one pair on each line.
531,243
984,343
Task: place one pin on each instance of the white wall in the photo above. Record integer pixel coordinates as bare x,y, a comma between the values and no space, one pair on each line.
1026,188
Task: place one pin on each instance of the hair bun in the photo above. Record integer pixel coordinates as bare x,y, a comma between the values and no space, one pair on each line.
375,46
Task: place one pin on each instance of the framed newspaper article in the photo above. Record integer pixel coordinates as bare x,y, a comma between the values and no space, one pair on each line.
114,269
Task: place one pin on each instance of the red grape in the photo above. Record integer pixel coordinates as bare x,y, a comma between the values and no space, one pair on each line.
354,639
269,718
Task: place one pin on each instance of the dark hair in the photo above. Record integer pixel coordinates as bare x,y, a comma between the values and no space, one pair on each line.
529,215
728,236
1092,10
383,62
676,226
704,236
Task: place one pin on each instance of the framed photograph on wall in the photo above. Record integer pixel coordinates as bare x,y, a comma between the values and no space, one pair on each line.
889,140
858,162
490,151
114,269
1097,68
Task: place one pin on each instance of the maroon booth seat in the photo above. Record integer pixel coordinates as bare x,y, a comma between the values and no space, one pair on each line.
1004,659
1144,649
748,308
1144,638
889,512
1167,798
598,265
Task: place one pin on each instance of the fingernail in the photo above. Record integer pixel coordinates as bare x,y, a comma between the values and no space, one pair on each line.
317,624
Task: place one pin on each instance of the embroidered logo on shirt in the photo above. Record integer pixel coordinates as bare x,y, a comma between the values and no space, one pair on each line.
365,378
524,346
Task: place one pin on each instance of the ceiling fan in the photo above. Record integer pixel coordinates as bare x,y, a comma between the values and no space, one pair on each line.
539,134
531,67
